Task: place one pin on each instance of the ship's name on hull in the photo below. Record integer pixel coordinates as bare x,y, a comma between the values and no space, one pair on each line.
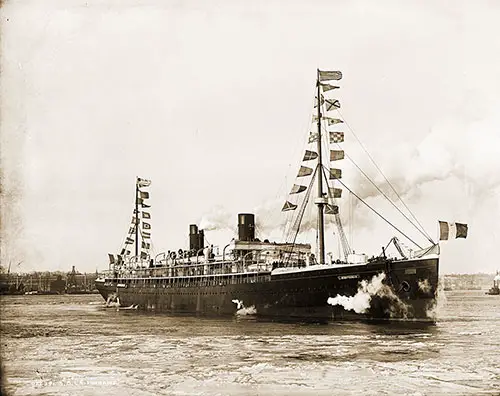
343,277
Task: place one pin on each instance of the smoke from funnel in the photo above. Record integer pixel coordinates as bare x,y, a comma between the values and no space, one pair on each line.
217,219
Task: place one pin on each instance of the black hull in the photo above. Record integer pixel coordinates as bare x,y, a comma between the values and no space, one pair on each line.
409,293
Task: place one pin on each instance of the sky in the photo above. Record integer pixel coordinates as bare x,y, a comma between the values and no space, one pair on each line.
212,101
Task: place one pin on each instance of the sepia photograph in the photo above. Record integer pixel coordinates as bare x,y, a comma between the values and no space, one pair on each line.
236,197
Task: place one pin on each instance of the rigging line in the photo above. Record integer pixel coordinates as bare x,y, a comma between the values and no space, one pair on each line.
388,182
382,217
301,214
421,230
345,244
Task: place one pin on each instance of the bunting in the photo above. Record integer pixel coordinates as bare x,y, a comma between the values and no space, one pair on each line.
332,104
296,189
146,245
335,174
135,220
336,155
329,75
144,195
124,252
144,205
328,87
288,206
146,226
331,209
316,101
128,241
131,230
140,201
146,215
146,235
304,171
313,137
144,255
310,155
336,137
143,182
335,192
111,258
333,121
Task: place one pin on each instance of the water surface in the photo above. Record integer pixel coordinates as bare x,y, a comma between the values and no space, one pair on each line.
73,345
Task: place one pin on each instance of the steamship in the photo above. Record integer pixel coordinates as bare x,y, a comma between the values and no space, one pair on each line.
280,279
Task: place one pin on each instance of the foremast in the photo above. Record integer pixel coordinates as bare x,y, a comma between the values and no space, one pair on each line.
139,237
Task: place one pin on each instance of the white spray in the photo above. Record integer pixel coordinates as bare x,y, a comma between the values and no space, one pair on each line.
360,302
242,310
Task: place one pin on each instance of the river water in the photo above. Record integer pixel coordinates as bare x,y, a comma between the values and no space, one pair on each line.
73,345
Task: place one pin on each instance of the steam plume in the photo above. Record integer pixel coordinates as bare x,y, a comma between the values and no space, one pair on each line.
360,302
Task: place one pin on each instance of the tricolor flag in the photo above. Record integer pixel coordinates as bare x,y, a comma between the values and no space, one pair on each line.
460,230
336,137
310,155
329,75
288,206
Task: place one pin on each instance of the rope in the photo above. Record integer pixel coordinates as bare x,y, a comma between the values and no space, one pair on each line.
422,230
386,197
382,217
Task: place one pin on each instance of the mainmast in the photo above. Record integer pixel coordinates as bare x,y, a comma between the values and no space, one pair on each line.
320,201
136,218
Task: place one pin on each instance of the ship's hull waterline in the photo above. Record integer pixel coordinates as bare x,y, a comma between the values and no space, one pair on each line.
303,294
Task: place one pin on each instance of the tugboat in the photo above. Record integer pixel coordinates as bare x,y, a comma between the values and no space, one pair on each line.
281,279
495,290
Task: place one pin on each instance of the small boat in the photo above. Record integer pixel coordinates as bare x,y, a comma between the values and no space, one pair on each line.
495,290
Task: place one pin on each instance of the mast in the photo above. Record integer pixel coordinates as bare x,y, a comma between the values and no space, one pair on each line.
136,218
320,200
